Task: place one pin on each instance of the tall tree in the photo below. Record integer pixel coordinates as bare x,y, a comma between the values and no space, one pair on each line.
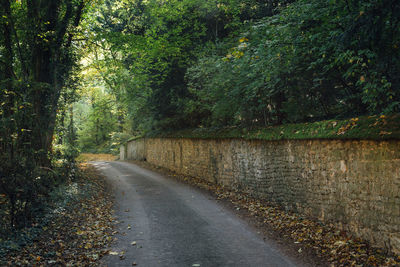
37,42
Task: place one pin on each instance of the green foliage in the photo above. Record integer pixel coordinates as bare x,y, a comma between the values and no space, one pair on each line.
178,64
145,48
313,60
364,128
99,124
38,57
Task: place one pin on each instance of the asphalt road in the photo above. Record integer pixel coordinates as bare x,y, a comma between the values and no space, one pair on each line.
174,224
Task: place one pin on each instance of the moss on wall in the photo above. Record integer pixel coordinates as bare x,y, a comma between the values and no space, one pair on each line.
362,128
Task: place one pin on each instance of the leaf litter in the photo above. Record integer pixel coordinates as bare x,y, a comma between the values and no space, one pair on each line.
78,234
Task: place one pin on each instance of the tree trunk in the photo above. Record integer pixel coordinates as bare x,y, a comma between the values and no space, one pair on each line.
280,115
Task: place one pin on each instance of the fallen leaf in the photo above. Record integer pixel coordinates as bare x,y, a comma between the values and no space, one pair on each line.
340,243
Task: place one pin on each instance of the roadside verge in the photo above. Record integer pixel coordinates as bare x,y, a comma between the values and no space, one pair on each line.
77,233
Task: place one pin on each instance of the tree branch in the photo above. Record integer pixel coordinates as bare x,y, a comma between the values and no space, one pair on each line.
78,17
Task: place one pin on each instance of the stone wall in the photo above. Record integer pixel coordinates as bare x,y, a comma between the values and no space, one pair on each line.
354,184
122,152
135,150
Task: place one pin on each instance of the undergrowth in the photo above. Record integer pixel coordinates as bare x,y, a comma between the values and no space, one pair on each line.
72,207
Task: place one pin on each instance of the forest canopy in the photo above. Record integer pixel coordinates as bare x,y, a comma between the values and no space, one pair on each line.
190,64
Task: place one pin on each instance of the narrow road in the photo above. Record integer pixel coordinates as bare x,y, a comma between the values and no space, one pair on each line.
174,224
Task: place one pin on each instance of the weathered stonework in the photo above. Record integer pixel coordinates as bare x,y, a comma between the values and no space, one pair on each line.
136,149
122,152
354,184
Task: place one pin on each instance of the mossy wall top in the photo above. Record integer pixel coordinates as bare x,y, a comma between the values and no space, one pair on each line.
360,128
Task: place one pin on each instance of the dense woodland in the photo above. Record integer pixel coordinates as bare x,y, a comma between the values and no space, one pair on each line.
189,64
84,75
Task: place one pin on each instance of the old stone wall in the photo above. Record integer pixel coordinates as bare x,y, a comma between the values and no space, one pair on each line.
136,149
354,184
122,152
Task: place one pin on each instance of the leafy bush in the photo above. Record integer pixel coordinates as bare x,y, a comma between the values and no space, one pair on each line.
313,60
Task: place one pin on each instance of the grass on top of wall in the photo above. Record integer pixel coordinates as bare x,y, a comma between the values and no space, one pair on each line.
367,127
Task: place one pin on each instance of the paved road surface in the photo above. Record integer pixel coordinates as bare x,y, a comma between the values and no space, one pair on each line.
174,224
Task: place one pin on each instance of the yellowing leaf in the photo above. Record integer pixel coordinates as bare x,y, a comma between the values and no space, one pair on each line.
340,243
79,232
